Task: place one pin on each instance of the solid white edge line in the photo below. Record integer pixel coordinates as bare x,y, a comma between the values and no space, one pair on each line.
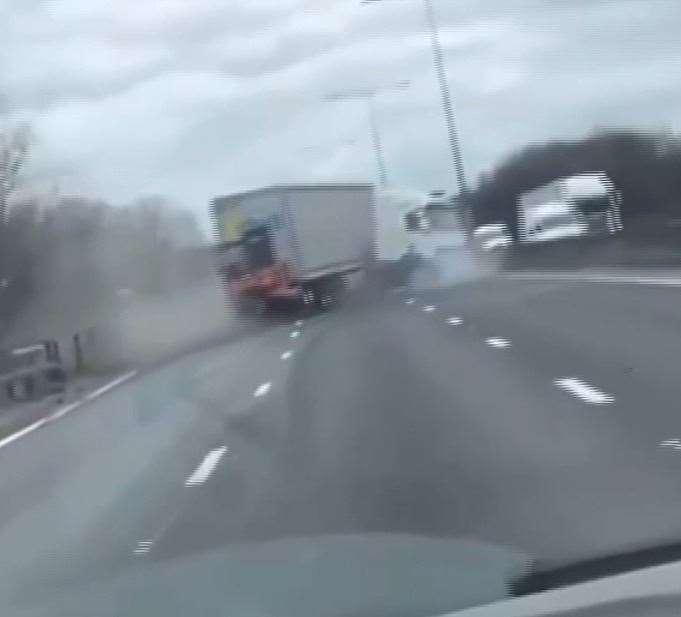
207,466
598,278
62,411
24,431
112,384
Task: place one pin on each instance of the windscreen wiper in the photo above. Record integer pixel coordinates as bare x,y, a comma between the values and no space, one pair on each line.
537,579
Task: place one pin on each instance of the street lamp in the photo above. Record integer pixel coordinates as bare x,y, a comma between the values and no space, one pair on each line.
367,95
447,106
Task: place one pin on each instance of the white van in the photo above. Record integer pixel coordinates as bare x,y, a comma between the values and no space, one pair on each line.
580,205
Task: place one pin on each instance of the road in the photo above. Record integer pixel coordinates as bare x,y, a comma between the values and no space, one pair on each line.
540,415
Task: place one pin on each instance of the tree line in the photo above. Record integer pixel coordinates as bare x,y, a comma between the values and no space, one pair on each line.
644,166
67,252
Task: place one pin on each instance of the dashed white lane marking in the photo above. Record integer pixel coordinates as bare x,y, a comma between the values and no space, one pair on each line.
207,466
499,343
429,308
410,301
286,355
299,323
674,444
143,547
262,389
454,321
295,334
62,411
584,391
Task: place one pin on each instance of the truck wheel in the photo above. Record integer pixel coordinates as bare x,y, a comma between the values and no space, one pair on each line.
326,301
309,299
329,292
309,295
338,288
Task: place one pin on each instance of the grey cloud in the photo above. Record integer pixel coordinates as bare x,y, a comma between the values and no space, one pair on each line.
191,98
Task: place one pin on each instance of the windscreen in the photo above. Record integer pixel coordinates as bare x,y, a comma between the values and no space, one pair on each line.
337,308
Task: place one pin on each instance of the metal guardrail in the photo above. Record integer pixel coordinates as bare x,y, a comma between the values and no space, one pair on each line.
31,372
34,383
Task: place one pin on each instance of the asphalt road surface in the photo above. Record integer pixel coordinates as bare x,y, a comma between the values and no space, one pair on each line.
544,416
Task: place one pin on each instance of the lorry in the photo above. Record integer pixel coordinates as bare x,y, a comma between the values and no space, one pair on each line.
581,205
421,239
292,244
392,239
437,227
438,236
414,223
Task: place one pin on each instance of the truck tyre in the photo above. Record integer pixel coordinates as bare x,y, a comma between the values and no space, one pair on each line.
310,296
325,299
329,292
339,288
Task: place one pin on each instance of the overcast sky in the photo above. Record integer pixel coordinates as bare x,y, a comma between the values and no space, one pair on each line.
193,98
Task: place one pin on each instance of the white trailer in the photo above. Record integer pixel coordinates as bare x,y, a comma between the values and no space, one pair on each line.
581,205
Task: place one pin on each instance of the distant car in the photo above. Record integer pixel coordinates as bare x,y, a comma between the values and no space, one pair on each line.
492,237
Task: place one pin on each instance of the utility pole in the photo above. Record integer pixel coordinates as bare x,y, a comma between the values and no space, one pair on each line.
378,146
447,108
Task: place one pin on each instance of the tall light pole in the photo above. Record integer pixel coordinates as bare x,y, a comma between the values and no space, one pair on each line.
367,95
445,94
378,146
447,107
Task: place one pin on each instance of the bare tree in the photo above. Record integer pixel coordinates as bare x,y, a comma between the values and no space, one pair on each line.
14,150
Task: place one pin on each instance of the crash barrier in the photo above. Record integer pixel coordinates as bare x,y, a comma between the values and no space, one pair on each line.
145,331
31,372
34,383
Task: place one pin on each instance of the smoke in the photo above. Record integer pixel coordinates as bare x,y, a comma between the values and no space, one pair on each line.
134,283
149,328
449,267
